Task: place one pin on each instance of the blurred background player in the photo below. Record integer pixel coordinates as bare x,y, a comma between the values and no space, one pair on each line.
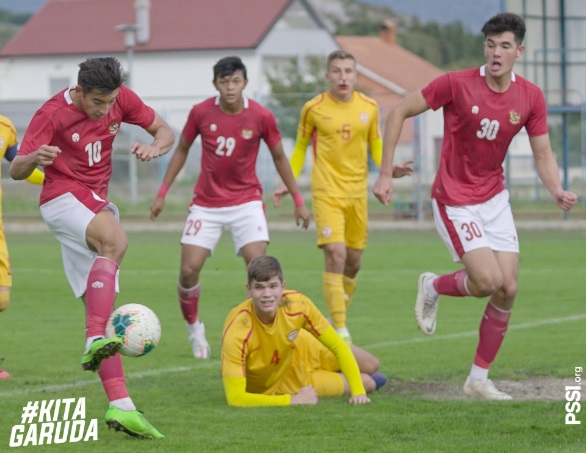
342,125
483,108
278,349
228,192
8,149
71,136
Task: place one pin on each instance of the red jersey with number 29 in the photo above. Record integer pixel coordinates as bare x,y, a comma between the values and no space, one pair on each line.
479,125
86,144
230,145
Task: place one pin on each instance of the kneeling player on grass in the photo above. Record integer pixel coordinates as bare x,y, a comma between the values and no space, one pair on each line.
71,136
278,349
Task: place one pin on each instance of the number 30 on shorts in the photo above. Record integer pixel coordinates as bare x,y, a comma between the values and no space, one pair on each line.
472,230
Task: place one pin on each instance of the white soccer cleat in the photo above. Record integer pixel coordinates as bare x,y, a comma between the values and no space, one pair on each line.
484,390
197,337
426,306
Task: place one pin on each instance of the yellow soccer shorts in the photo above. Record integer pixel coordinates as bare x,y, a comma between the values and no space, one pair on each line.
341,220
312,364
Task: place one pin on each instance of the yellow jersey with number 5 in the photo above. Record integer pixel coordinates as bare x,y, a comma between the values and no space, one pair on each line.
339,133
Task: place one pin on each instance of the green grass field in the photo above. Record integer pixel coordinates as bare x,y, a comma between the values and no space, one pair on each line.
41,338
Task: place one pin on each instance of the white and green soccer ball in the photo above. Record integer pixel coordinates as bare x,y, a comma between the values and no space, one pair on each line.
138,326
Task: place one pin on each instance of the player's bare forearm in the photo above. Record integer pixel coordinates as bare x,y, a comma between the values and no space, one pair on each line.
548,171
23,166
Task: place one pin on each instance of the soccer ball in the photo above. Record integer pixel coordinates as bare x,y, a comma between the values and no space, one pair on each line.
138,326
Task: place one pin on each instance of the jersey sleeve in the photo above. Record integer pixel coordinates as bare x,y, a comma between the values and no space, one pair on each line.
271,133
537,123
236,395
135,110
237,330
191,128
39,132
438,92
343,353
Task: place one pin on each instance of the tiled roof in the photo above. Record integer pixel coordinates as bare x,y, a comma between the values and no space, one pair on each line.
390,61
88,26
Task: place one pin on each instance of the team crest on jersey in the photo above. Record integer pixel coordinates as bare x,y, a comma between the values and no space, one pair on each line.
293,335
514,117
113,128
247,134
364,117
326,232
75,137
475,109
213,127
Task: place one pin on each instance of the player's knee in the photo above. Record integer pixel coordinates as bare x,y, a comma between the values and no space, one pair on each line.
4,300
487,285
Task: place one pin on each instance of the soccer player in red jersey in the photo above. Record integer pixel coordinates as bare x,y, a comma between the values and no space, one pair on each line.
71,136
228,192
483,109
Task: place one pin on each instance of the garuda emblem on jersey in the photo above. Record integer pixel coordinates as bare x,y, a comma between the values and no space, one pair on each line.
113,128
514,117
364,117
247,134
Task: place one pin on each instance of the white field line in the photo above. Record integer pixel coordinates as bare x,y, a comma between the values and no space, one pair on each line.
88,382
472,333
213,363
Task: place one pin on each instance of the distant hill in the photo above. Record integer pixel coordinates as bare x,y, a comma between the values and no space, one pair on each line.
472,14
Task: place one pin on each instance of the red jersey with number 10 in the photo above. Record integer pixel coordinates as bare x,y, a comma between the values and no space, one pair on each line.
230,145
479,125
86,144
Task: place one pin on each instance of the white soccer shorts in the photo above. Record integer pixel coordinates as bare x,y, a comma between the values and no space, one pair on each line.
247,222
466,228
68,219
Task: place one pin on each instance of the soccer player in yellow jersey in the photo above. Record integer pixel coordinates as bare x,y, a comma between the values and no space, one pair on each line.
342,124
8,149
278,349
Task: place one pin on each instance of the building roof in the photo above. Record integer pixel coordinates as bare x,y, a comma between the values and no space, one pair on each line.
88,26
406,71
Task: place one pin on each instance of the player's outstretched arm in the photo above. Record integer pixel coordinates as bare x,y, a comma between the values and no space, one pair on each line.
548,171
163,141
412,105
173,168
286,174
296,163
236,395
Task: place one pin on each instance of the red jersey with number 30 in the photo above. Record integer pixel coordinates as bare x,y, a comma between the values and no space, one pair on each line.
479,125
86,144
230,145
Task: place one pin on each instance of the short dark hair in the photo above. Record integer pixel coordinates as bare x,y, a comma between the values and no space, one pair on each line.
228,66
263,268
102,74
504,22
